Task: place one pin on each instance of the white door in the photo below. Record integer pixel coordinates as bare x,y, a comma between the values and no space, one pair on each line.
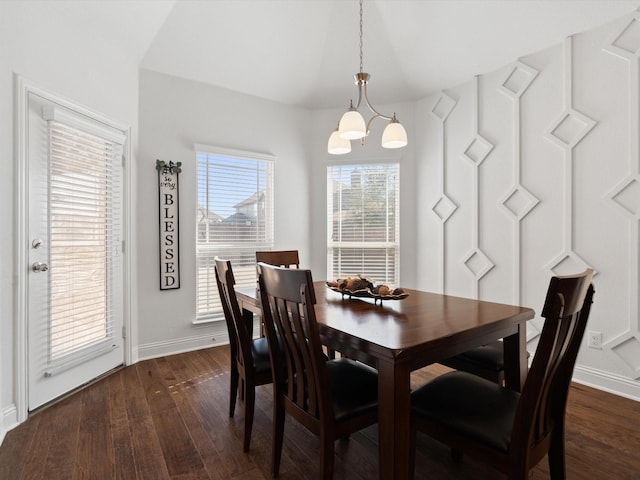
75,273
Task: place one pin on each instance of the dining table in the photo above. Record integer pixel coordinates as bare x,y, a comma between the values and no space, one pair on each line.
399,336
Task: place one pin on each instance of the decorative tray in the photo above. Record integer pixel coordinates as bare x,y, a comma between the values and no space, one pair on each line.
368,290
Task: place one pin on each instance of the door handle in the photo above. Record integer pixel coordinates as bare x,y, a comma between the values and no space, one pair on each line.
39,267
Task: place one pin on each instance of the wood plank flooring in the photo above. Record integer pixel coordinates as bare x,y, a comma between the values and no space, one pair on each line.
167,418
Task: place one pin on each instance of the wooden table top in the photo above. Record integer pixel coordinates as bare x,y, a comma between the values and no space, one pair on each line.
398,326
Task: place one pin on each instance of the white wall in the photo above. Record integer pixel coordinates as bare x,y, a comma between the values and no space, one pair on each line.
549,196
175,114
38,43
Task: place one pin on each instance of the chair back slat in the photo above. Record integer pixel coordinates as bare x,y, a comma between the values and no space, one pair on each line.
288,301
544,395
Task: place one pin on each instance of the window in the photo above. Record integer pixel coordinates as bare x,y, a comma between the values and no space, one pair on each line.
234,218
363,221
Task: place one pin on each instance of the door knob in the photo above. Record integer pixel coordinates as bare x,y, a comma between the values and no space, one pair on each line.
39,267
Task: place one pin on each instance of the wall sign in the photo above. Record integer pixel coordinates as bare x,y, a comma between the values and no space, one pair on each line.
169,225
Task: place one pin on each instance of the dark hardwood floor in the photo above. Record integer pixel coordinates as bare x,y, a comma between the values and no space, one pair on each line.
167,418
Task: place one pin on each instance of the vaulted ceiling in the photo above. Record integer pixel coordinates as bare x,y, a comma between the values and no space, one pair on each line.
305,52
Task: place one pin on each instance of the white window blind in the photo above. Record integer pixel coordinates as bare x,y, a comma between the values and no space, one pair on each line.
234,218
363,221
85,242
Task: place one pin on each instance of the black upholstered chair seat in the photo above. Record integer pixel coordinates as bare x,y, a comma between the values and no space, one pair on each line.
487,356
470,406
260,353
354,388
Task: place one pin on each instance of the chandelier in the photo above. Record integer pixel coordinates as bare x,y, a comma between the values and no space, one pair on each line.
352,125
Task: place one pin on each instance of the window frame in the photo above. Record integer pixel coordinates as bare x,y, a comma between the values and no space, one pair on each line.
388,245
241,254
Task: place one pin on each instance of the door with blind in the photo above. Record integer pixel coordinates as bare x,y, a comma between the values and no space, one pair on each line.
75,267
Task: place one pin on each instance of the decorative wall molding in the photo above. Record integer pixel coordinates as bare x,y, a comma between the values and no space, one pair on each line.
566,132
543,133
443,207
475,152
625,196
518,201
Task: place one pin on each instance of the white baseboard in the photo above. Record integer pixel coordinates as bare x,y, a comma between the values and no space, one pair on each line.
188,344
8,421
607,381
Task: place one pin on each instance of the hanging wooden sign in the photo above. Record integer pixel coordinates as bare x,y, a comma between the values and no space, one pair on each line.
169,224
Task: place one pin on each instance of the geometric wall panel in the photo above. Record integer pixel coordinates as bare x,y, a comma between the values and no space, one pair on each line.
518,202
518,80
444,208
570,128
628,197
629,351
475,152
477,149
443,107
567,263
478,263
626,43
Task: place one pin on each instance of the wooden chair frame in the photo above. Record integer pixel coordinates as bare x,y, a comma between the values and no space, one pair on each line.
538,427
243,373
301,382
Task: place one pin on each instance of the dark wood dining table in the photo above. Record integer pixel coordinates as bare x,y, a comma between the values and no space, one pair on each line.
399,336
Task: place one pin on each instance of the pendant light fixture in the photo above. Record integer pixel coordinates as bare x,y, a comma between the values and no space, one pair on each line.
352,125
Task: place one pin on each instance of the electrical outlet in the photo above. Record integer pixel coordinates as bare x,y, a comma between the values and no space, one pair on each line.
594,340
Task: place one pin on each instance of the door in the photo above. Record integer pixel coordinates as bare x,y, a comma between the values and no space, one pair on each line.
75,265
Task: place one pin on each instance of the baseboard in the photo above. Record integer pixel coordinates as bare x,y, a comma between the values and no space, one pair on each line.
188,344
608,382
8,421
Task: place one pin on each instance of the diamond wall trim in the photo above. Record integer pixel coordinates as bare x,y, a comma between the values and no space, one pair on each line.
444,207
566,132
624,198
475,152
518,201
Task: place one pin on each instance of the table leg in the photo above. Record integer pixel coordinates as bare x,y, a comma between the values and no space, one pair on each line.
394,407
515,358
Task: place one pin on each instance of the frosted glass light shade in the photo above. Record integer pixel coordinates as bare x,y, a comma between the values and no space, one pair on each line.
394,135
352,125
338,145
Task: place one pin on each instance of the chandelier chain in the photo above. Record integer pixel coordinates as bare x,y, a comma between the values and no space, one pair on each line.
361,36
352,124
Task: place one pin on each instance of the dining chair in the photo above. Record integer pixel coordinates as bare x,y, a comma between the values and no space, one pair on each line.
287,259
333,398
280,258
508,430
250,363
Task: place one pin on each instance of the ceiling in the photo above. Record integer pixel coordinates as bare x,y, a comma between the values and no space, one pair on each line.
305,52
